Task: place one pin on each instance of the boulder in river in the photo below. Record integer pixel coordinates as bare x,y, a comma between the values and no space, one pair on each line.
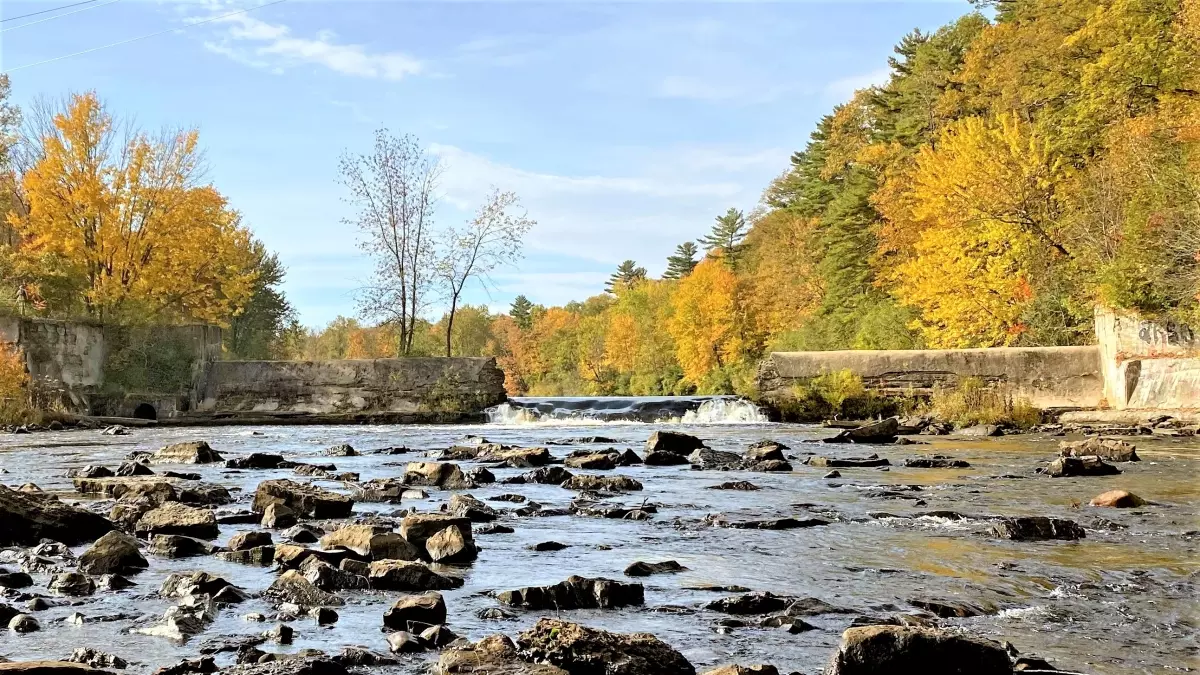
596,461
765,450
1036,528
467,506
277,516
49,668
494,655
899,649
884,431
27,518
178,546
1117,499
374,543
177,518
980,431
759,602
259,460
596,483
293,587
1112,449
134,468
309,500
714,460
194,452
1066,467
72,583
415,612
583,650
445,475
935,462
575,593
451,546
401,575
663,458
418,528
673,441
847,462
244,541
519,458
759,669
114,553
741,485
547,475
645,569
389,490
90,471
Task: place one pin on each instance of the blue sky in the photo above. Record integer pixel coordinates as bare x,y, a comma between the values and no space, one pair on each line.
625,127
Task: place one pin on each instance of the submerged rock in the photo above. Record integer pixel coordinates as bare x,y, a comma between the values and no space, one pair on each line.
847,462
714,460
575,593
1117,499
645,569
582,650
1037,528
897,649
935,462
743,485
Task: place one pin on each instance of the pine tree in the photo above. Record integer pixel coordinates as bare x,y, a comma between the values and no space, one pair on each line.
727,235
522,312
683,262
627,274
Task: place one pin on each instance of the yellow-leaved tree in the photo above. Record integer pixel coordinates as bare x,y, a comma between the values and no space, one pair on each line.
708,323
127,216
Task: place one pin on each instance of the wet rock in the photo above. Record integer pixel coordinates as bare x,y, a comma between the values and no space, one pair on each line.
289,556
582,507
308,500
765,450
15,579
114,553
1033,664
884,431
403,642
97,659
419,528
1117,499
301,664
181,475
329,578
764,602
899,649
416,612
770,523
26,519
767,465
323,616
371,542
980,431
244,541
545,546
114,582
277,516
833,474
259,555
508,497
674,442
742,485
847,462
714,460
90,471
547,475
467,506
583,650
494,614
259,460
759,669
1065,467
200,666
303,534
401,575
341,450
935,462
575,593
359,656
195,452
183,584
948,609
601,483
480,476
645,569
6,614
177,518
495,529
1036,528
1112,449
293,587
436,637
520,458
281,634
663,458
451,546
445,475
132,468
23,623
495,655
177,546
596,461
72,583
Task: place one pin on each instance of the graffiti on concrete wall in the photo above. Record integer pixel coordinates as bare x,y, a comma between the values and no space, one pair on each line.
1169,333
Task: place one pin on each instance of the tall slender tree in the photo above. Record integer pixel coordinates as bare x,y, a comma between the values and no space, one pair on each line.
726,236
683,262
521,312
627,274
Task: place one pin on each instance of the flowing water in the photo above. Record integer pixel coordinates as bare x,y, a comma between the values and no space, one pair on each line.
1122,600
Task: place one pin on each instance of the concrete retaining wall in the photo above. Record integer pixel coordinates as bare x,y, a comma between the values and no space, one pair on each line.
65,356
1148,365
1050,377
350,386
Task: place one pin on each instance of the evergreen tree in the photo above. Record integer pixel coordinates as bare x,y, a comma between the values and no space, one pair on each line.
522,312
627,274
683,262
727,235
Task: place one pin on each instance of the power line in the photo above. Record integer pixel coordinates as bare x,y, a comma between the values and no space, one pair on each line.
14,18
58,16
143,37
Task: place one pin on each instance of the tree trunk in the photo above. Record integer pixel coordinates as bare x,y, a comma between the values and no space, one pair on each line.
450,323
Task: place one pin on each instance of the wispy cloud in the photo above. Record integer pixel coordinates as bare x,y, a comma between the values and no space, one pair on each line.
844,88
274,47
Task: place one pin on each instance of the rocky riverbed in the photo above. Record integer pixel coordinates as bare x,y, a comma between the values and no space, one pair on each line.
764,546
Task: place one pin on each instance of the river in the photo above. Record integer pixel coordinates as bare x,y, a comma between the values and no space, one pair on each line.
1122,600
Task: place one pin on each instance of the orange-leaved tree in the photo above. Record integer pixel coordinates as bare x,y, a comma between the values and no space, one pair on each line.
708,323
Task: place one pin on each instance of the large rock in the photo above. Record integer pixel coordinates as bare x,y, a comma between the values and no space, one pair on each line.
759,669
451,546
1112,449
520,458
415,612
27,518
645,569
596,483
374,543
309,500
176,546
1118,499
495,655
547,475
445,475
706,459
417,528
869,650
388,490
673,441
157,489
72,583
847,462
259,460
884,431
581,650
293,587
765,450
599,461
467,506
575,593
400,575
1066,467
195,452
176,518
1036,528
49,668
935,462
329,578
114,553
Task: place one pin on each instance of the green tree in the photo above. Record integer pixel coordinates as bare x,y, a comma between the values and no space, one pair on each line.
726,236
522,312
683,262
627,275
258,331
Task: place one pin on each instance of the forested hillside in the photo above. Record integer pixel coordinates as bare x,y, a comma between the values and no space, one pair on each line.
1020,166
